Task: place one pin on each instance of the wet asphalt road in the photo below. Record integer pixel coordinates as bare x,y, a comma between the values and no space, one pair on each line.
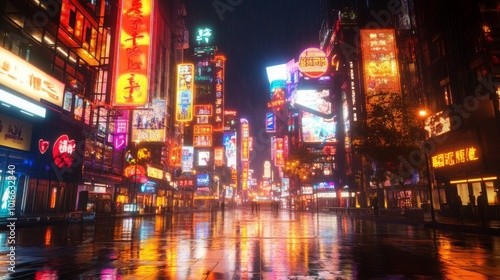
239,244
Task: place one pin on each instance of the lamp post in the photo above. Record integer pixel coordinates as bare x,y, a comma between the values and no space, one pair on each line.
423,113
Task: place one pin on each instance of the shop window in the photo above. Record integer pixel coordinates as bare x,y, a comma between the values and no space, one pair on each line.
476,189
491,194
463,192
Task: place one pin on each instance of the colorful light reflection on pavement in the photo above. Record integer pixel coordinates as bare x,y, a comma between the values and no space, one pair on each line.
237,244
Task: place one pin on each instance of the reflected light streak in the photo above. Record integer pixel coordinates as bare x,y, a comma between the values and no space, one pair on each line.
48,236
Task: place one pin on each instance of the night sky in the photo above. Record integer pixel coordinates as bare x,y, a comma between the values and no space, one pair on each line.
254,34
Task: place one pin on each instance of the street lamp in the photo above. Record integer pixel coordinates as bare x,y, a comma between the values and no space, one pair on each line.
423,114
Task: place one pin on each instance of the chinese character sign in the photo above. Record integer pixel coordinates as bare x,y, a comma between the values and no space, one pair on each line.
133,53
62,152
219,93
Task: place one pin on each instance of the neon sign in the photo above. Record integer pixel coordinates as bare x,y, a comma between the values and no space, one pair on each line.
219,93
313,63
460,156
63,150
185,96
133,53
203,36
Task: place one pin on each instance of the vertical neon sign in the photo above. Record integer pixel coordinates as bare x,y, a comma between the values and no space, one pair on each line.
185,96
133,53
219,93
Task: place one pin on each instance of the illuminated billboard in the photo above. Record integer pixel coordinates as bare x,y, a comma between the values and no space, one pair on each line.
202,141
279,158
17,74
230,149
316,129
276,72
16,133
203,158
270,122
121,129
203,110
380,65
313,101
149,125
202,135
219,93
185,95
203,180
133,54
219,156
245,134
204,36
313,63
187,160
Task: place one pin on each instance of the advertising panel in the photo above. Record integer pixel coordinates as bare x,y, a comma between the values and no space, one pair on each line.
185,95
59,151
270,122
380,65
316,129
200,141
219,93
313,63
203,158
17,74
244,175
149,125
121,129
15,133
458,156
133,54
313,101
203,110
245,133
203,180
280,160
230,149
219,156
187,158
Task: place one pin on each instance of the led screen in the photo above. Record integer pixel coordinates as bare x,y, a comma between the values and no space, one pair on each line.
313,101
316,129
202,180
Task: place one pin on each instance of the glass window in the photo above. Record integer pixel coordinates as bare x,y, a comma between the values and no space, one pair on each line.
490,193
463,192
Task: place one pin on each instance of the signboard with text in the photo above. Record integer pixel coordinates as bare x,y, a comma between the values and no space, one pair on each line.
133,54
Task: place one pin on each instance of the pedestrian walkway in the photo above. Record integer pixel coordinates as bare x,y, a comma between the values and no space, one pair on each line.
467,225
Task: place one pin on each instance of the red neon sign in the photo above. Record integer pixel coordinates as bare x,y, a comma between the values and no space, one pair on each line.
62,152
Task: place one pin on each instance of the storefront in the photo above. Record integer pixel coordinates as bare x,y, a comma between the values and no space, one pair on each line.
466,166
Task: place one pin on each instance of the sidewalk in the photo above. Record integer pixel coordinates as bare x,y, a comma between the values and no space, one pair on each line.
468,225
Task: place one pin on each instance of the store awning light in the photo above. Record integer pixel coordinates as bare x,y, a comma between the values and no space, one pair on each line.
24,106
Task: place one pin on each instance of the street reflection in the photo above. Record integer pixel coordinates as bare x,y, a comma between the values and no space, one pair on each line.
241,244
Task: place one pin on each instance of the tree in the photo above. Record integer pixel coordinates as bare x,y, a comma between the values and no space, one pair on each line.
392,129
298,164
